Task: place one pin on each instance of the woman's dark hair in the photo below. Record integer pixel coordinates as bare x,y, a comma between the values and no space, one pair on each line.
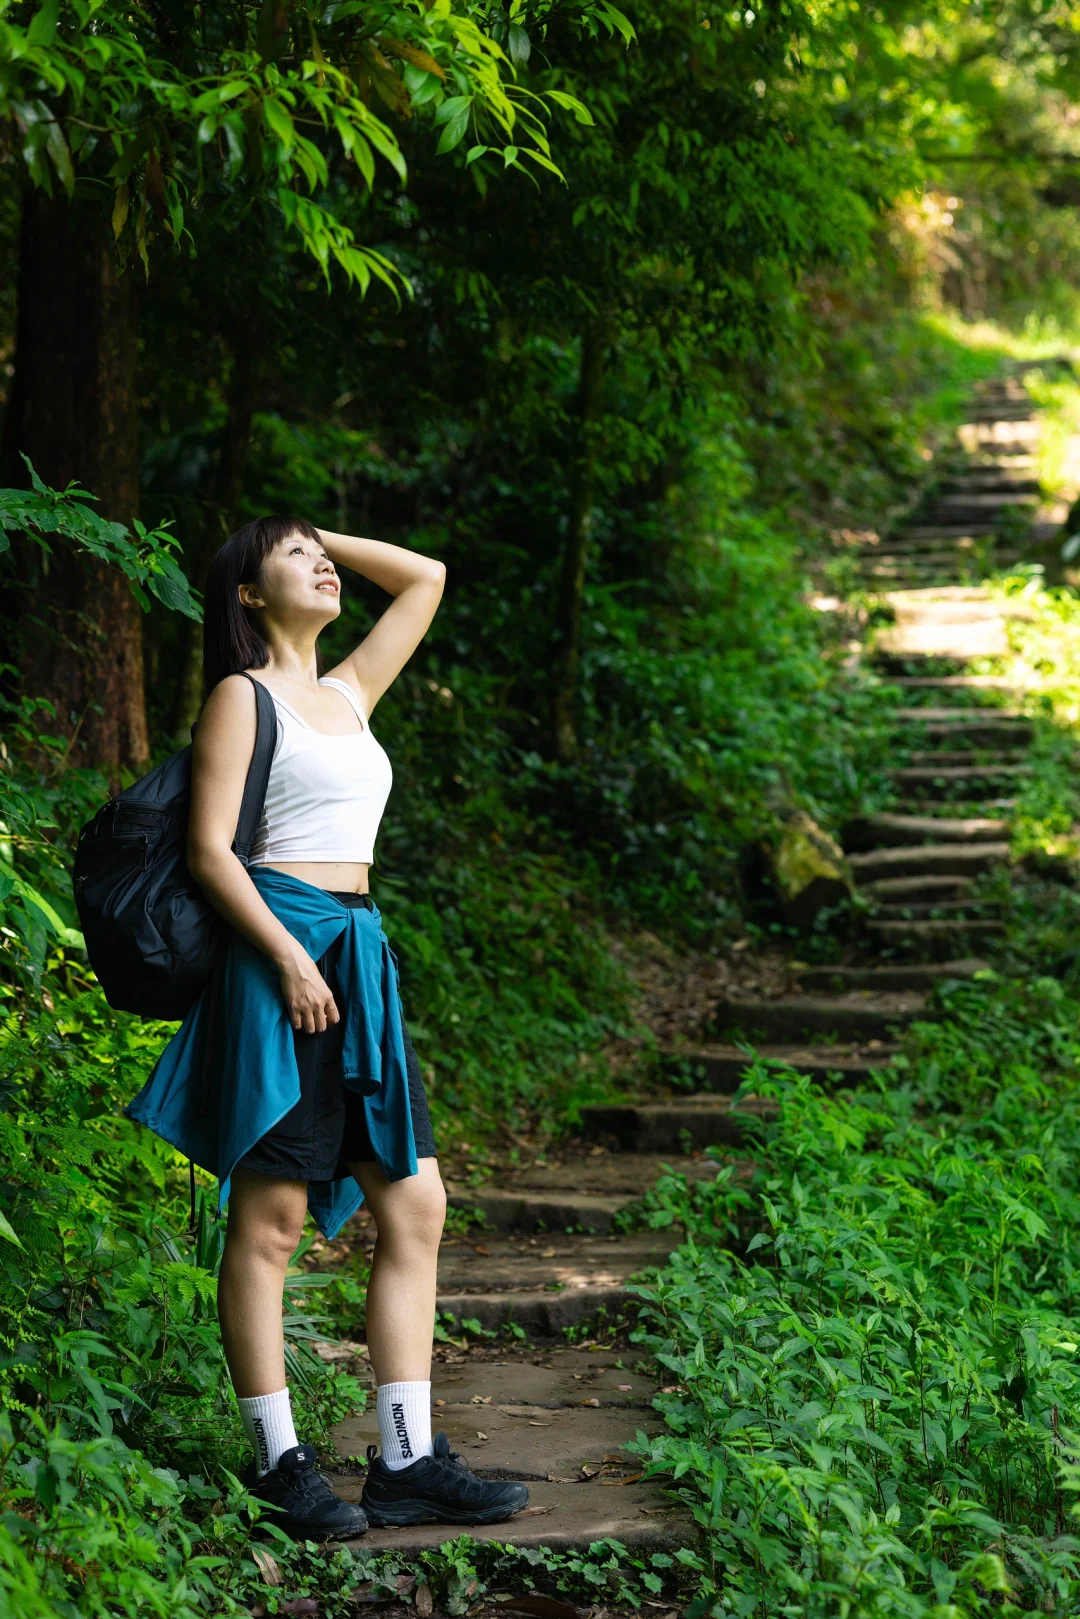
232,640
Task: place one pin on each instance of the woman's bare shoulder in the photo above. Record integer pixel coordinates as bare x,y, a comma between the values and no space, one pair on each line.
229,710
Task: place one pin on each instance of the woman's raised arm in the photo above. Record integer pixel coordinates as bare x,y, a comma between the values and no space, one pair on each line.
416,584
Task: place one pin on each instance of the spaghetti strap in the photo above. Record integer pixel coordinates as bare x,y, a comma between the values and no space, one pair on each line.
354,701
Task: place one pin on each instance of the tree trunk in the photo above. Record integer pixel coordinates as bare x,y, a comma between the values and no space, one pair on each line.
223,516
564,685
74,411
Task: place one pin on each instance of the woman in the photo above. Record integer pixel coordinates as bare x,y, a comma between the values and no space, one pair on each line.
294,1078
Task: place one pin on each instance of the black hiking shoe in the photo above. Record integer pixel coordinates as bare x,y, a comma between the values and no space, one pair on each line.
302,1502
436,1489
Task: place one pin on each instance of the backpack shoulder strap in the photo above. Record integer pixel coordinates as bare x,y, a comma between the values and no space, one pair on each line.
251,806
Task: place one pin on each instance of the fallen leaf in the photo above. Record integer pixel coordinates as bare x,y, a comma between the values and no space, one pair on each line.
480,1435
478,1248
593,1401
549,1253
544,1607
553,1478
438,1402
589,1472
532,1512
534,1424
624,1388
267,1565
341,1349
616,1456
481,1399
632,1478
406,1584
424,1603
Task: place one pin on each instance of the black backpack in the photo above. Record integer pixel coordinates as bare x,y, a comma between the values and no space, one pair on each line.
152,936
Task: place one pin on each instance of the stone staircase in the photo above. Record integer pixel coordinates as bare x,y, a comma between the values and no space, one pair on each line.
954,533
549,1258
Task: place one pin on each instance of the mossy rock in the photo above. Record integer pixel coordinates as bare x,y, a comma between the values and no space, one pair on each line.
809,868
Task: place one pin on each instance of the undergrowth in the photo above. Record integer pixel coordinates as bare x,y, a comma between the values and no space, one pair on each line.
874,1337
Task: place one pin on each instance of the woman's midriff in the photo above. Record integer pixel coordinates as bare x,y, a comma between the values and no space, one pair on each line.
342,876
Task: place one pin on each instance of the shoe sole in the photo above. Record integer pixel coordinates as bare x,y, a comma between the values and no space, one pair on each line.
407,1514
301,1531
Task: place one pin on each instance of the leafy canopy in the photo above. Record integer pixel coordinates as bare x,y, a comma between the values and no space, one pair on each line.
171,109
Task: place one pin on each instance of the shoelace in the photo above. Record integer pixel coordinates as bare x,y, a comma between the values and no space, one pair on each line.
467,1480
307,1481
464,1477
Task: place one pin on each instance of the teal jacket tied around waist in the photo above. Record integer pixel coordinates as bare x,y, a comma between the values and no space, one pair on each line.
229,1073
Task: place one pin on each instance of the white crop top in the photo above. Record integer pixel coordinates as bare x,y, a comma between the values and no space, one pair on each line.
326,794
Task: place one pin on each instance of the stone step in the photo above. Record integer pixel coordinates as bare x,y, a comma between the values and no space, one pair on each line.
983,758
1008,452
939,780
990,481
970,507
553,1261
957,809
919,890
949,531
1003,411
936,938
929,911
960,718
958,642
892,571
955,683
991,731
545,1313
887,830
916,565
581,1192
556,1419
928,860
946,544
859,1016
721,1068
999,436
914,976
672,1126
946,604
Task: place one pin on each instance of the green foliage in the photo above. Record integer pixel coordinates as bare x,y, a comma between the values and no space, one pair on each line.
146,559
171,113
873,1336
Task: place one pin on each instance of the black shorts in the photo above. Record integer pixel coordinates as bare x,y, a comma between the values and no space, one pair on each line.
327,1129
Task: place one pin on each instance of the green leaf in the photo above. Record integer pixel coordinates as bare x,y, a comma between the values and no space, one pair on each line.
279,121
520,48
6,1230
571,104
452,107
121,205
42,29
453,133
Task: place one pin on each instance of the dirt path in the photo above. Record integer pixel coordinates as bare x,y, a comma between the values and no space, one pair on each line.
557,1416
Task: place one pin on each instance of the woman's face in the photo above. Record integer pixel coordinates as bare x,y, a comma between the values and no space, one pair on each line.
296,581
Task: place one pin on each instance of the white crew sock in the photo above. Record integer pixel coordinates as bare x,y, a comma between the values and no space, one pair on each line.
268,1423
404,1413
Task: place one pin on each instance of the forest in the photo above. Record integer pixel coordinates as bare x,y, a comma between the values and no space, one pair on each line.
656,323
